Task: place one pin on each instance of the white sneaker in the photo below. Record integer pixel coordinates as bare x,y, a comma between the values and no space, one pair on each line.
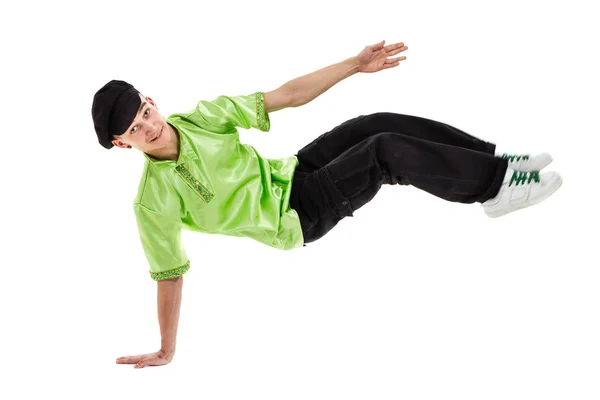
526,162
522,189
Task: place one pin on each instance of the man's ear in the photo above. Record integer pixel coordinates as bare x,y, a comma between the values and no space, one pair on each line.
118,143
151,102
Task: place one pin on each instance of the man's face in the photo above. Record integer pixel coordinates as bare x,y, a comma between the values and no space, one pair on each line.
148,132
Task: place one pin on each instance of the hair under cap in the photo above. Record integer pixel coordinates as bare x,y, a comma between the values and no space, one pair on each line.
113,110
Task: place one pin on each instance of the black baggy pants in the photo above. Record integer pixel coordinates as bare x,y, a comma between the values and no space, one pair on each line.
343,169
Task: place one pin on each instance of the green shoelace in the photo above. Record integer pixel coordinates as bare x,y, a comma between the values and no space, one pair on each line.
523,178
515,157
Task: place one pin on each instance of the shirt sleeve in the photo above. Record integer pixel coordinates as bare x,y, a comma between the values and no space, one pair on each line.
161,241
227,112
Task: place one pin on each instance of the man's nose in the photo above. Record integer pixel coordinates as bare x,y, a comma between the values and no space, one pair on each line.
149,128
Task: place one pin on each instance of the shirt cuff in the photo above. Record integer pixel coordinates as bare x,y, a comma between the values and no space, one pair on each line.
173,273
262,117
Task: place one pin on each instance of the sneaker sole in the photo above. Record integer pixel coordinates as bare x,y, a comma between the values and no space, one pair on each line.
555,186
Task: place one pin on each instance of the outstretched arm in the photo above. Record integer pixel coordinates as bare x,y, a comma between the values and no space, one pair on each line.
169,303
306,88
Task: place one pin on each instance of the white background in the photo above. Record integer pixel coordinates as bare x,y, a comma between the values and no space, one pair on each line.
413,298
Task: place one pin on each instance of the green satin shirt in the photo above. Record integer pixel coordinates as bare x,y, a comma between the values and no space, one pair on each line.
218,185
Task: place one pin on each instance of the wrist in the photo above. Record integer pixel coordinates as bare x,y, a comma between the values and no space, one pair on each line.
167,355
353,64
168,351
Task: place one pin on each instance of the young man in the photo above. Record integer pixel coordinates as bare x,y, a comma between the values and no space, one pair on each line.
200,177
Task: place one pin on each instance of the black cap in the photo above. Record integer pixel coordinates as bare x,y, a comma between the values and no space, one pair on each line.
113,110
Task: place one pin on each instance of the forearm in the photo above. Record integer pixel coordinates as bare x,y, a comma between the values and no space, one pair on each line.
306,88
169,304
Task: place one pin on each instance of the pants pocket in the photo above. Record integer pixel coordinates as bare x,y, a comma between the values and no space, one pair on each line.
302,201
339,203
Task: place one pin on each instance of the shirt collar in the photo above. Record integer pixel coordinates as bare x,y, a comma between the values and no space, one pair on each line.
186,152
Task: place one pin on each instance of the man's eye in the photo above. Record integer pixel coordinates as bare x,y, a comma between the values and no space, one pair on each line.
133,129
146,112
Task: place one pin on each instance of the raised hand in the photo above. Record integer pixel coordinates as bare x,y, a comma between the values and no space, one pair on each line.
377,57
